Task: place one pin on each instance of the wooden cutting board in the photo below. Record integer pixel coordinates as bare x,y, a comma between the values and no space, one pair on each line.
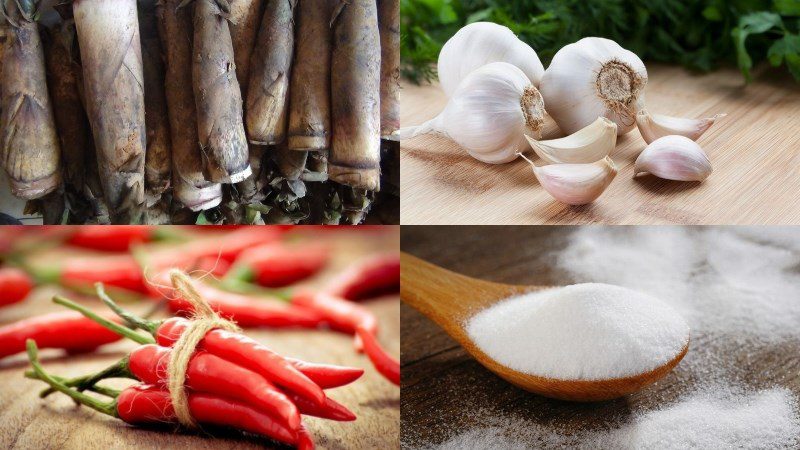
755,152
27,422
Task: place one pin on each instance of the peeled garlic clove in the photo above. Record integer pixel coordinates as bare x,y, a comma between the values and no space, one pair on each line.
656,126
489,114
674,158
588,145
481,43
593,78
575,184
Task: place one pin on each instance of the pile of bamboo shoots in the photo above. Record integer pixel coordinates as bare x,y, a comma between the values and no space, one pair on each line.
202,111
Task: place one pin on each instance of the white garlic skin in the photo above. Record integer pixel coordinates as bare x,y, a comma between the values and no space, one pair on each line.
569,85
674,158
484,115
481,43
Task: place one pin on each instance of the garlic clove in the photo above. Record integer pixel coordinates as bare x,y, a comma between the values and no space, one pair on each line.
654,126
674,158
575,184
587,145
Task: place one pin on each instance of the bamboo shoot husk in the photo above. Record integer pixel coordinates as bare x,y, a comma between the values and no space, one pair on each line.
291,163
189,186
108,35
354,158
310,105
389,24
244,20
218,97
270,74
31,154
158,159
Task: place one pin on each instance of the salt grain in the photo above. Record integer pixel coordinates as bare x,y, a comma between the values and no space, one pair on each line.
589,331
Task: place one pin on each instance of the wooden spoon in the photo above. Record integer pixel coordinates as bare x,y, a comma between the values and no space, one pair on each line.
450,299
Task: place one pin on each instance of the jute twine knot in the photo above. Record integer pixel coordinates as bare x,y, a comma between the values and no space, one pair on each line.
203,320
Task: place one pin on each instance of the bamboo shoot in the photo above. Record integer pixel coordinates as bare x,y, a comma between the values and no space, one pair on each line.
270,72
354,158
108,35
310,105
218,97
31,154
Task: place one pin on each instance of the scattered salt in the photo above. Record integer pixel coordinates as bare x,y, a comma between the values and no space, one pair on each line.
587,331
763,420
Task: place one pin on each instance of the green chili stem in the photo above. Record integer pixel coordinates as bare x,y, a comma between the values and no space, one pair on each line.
120,369
119,329
132,319
109,408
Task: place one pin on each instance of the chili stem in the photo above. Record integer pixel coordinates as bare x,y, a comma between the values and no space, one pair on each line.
132,319
118,370
240,287
119,329
102,390
97,405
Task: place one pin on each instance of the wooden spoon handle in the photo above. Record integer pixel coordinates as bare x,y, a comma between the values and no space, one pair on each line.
445,297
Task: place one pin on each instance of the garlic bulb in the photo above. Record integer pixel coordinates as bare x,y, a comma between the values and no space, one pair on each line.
489,114
593,78
674,158
575,184
480,43
656,126
588,145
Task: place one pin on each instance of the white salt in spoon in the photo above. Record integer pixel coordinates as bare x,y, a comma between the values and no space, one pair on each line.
451,299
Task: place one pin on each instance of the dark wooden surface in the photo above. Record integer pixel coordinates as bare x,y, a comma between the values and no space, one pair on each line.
445,392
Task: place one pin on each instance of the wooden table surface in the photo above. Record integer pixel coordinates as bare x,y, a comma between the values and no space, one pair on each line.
27,422
755,152
444,388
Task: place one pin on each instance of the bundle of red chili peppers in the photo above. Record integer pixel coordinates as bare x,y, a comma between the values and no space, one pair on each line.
230,379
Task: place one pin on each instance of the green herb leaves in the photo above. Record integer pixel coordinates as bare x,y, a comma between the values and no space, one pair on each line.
699,35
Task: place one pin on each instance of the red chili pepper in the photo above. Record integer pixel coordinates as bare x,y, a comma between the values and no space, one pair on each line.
245,311
242,350
227,248
304,441
144,404
14,285
69,331
327,376
119,271
213,375
118,238
384,363
330,410
280,264
369,278
341,315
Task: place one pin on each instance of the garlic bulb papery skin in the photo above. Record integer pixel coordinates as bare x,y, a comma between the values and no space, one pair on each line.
489,114
657,126
575,184
674,158
481,43
593,78
588,145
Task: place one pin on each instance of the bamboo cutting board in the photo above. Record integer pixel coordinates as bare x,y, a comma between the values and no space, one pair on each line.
28,422
755,152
